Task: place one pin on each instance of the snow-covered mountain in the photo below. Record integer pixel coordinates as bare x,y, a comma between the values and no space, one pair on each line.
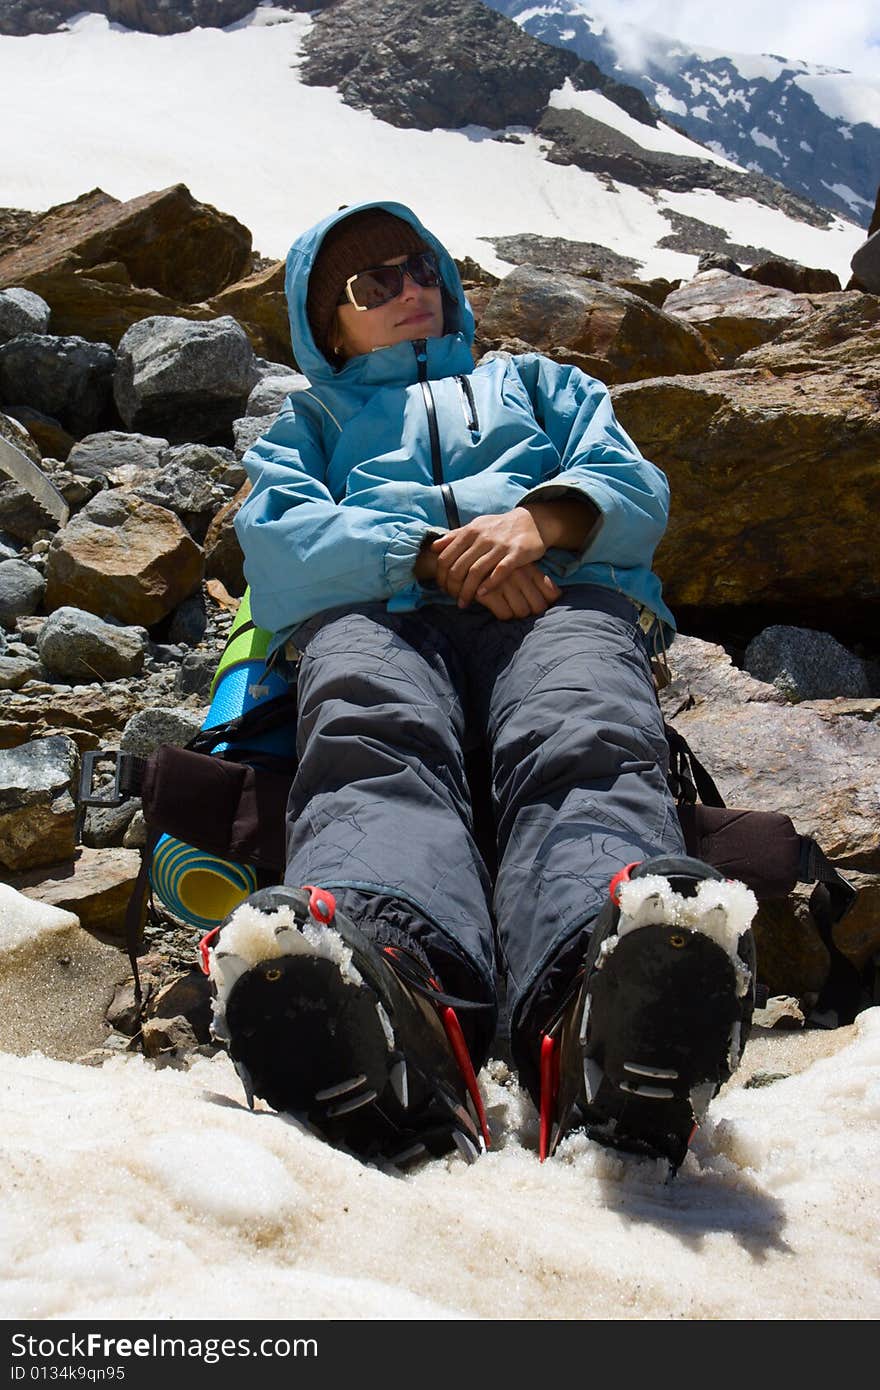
241,115
815,129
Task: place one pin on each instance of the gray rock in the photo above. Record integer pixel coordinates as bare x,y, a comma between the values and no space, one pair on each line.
105,826
196,674
68,378
201,458
866,264
21,590
192,496
150,728
9,547
270,392
247,430
805,665
115,456
449,65
186,380
82,648
189,622
22,311
16,669
37,812
716,260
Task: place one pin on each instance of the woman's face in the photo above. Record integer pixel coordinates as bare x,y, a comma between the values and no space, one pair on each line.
417,312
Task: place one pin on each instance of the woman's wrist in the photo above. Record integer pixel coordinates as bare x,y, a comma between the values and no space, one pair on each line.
564,523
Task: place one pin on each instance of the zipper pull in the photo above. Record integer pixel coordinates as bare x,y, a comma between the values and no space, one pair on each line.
420,348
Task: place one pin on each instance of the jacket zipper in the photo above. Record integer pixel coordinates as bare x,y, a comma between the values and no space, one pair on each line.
468,405
453,519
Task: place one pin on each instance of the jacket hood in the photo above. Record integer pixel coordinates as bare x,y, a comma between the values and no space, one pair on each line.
459,320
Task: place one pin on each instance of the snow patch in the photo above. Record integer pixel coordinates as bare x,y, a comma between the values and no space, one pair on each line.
25,922
600,108
667,102
766,142
852,199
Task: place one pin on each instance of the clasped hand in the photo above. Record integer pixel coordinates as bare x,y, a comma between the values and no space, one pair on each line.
493,560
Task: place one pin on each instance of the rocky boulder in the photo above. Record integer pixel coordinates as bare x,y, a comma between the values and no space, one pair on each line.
21,311
734,314
21,590
845,332
81,648
95,885
101,303
815,762
191,495
806,665
116,457
775,489
223,555
608,333
788,275
67,378
184,380
259,304
123,558
447,65
166,240
37,811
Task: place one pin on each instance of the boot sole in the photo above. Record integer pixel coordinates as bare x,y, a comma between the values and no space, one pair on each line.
660,1032
352,1081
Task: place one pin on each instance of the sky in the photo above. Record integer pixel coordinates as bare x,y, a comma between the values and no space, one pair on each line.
845,34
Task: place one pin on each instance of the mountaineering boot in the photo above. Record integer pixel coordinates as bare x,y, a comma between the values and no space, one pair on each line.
657,1020
356,1040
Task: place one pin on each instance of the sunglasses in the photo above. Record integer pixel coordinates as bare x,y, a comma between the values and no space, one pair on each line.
371,288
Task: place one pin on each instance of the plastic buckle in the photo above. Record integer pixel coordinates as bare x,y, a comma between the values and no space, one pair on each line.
87,794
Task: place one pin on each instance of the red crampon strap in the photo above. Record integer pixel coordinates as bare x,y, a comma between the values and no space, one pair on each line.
621,877
549,1092
203,950
466,1066
322,904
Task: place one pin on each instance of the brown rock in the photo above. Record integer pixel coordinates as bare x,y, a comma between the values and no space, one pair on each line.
51,438
259,304
85,716
607,332
123,558
788,275
655,291
166,240
223,556
734,314
844,330
101,309
168,1041
95,885
188,996
775,487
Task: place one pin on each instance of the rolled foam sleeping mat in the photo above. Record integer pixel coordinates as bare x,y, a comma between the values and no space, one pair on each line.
201,888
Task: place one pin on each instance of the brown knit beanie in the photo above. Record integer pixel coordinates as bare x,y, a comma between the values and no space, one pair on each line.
356,243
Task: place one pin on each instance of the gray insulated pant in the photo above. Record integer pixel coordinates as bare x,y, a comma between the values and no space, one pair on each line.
380,811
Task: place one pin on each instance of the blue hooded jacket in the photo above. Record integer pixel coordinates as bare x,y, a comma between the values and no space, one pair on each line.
353,474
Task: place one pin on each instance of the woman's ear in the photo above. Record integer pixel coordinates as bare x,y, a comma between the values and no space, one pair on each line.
336,338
